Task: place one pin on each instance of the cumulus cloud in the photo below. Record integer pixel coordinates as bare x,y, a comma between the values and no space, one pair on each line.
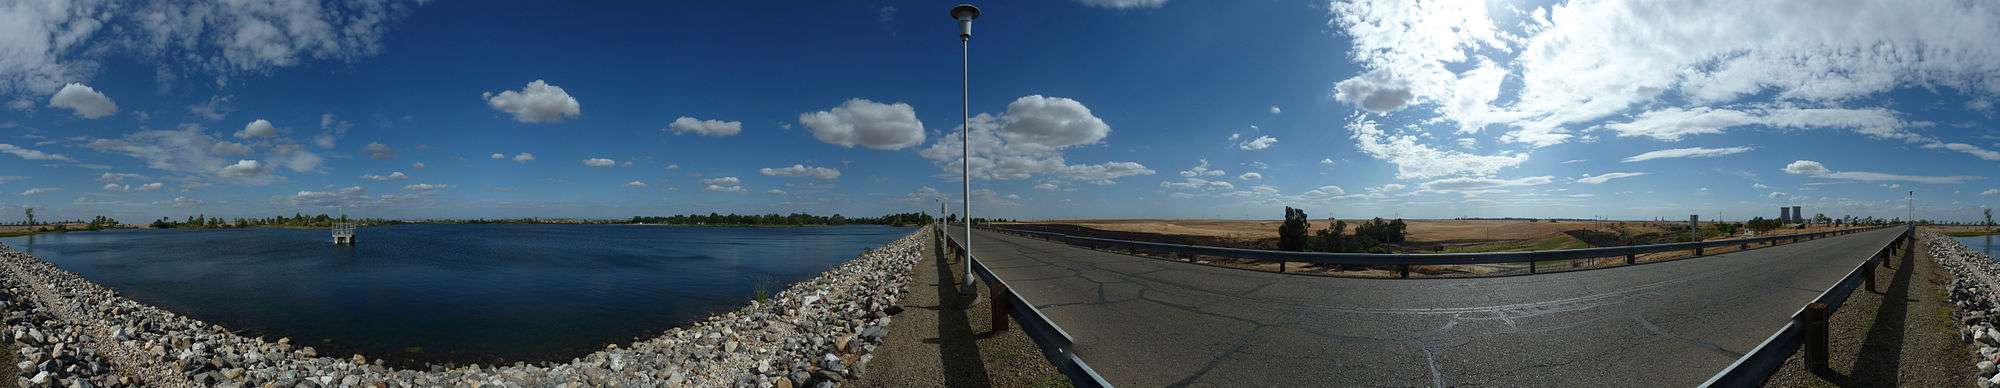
866,123
728,180
1694,152
1817,170
523,157
1029,139
379,151
1250,176
1275,110
30,154
1463,184
801,170
1607,177
635,184
1102,173
497,156
393,176
40,190
1990,192
1584,61
84,101
1414,160
1374,92
425,187
1326,162
245,168
1201,169
599,162
538,102
1261,142
259,128
1123,4
686,125
50,44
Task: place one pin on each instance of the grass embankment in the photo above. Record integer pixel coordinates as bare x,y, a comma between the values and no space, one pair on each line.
1545,244
1970,233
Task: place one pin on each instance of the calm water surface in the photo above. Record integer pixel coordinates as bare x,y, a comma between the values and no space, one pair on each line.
455,293
1982,244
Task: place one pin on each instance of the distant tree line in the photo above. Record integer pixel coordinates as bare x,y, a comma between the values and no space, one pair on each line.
300,220
1369,236
794,219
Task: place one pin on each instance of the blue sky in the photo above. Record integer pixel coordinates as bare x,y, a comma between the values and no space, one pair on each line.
1092,108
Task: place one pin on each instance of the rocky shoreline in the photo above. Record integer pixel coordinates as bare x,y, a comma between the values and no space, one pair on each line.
1975,280
820,332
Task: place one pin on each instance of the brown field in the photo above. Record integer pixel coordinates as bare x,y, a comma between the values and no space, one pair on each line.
1424,236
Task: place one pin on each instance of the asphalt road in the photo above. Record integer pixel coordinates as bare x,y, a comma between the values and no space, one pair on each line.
1148,322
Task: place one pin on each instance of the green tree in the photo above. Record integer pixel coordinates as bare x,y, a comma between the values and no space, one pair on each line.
1292,234
31,215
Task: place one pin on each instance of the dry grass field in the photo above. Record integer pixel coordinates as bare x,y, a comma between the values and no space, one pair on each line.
1424,236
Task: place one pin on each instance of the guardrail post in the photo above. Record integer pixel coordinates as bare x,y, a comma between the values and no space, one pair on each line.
1745,247
1531,266
1868,278
1697,251
1405,271
997,295
1281,267
1815,331
1631,259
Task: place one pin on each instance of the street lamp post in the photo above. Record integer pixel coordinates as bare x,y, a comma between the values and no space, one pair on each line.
964,13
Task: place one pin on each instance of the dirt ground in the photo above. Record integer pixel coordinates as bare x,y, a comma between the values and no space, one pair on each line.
1901,335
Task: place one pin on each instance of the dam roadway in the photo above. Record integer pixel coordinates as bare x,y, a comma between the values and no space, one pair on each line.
1150,322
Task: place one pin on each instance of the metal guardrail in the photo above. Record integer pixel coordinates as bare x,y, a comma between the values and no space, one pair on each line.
1054,342
1808,327
1405,260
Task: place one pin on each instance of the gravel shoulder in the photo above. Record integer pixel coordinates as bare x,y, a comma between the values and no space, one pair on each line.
1902,334
935,344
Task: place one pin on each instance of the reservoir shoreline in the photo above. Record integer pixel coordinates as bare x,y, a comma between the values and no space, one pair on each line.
821,329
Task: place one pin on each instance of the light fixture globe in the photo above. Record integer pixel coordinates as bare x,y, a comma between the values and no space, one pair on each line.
965,13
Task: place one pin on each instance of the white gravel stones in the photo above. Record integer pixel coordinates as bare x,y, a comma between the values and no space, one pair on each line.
1974,277
817,333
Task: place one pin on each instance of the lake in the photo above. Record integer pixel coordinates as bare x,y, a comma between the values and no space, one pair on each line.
1981,243
415,294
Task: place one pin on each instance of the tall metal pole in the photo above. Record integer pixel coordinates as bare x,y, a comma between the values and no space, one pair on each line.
964,13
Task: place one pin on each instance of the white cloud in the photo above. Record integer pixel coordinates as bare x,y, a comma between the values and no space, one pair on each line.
185,202
216,108
866,123
84,101
150,186
1374,92
393,176
1198,184
259,128
379,151
185,150
723,189
1607,177
1463,184
1102,173
343,197
538,102
29,154
1123,4
635,184
51,43
1817,170
1261,142
40,190
524,157
1588,60
425,187
229,149
418,165
1418,161
245,168
801,170
725,181
110,177
1201,169
295,157
774,192
599,162
497,156
687,125
1250,176
1695,152
1028,139
1990,192
1327,162
1275,110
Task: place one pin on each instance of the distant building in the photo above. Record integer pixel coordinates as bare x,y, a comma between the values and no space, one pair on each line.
1798,216
1784,214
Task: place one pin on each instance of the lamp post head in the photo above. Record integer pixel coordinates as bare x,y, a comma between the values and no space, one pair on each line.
964,13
